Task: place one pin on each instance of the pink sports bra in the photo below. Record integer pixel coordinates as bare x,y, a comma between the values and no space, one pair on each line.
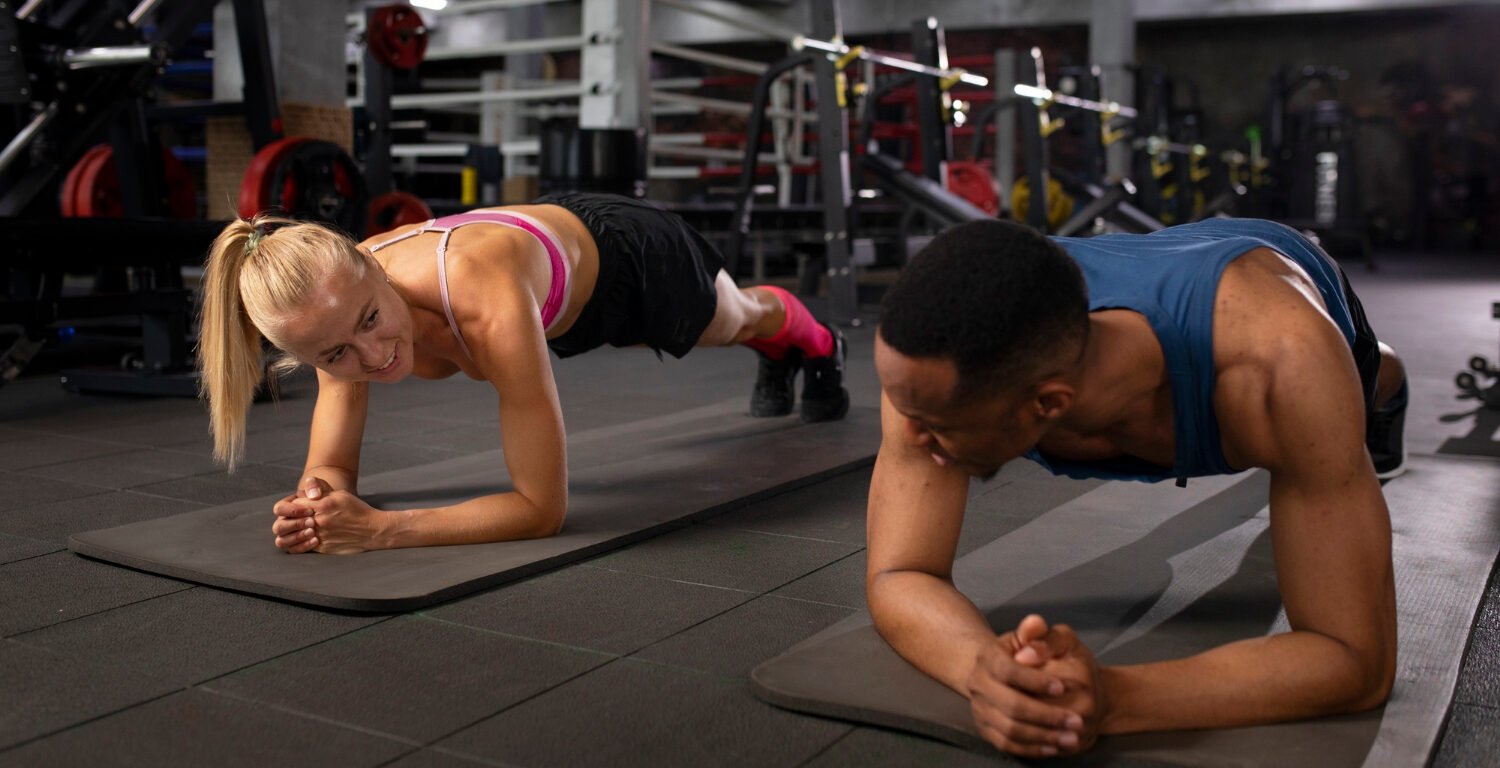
557,293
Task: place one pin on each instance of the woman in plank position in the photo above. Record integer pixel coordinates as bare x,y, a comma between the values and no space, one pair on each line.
485,293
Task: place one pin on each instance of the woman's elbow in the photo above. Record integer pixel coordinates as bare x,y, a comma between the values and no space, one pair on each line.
546,520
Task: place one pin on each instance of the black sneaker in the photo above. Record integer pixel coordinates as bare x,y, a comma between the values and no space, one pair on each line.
773,384
1384,436
823,395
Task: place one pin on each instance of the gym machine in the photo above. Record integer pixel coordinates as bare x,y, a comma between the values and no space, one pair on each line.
79,72
83,71
1106,205
1312,163
829,57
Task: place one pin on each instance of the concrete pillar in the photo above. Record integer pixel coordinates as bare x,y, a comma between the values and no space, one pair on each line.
1112,49
307,51
616,64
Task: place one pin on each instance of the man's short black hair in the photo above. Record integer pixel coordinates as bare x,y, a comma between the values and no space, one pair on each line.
997,298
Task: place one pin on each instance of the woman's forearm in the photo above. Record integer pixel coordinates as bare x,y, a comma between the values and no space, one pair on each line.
338,478
497,517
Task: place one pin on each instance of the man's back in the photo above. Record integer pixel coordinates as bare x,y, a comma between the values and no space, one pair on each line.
1171,278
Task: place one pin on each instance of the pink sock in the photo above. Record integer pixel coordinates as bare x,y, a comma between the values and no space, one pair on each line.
800,330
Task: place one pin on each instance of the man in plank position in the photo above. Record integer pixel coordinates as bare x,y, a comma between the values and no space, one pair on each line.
1199,350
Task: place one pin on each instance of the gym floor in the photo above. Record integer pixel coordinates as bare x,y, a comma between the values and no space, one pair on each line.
639,656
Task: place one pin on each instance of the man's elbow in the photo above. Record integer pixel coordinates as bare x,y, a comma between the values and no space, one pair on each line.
1370,683
1376,686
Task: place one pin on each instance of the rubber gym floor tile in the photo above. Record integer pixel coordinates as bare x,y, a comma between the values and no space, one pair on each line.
1479,682
732,643
277,445
290,410
195,728
410,677
41,449
73,415
833,510
218,487
18,491
13,548
841,583
62,586
10,435
436,758
1489,610
723,557
134,467
606,611
637,713
57,520
1472,737
874,748
45,693
190,636
183,433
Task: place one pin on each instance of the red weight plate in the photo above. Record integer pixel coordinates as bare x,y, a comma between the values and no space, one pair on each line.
68,201
396,209
182,188
397,36
319,181
254,195
973,182
98,192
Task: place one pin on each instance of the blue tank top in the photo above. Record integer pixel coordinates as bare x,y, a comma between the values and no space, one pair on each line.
1172,277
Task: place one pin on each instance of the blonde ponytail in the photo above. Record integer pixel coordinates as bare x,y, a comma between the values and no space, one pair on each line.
229,362
256,271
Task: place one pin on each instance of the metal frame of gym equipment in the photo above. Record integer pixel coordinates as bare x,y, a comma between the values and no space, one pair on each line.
830,56
93,68
924,193
833,159
483,164
1111,202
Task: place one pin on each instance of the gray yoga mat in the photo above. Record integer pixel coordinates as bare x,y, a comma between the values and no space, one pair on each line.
1146,572
626,483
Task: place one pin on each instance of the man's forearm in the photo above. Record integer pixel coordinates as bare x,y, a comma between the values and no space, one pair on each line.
930,623
1291,676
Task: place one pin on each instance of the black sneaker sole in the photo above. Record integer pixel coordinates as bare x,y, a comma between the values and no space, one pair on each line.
833,408
816,411
767,407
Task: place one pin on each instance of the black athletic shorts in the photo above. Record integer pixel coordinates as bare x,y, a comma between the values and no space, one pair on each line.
1366,347
656,277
